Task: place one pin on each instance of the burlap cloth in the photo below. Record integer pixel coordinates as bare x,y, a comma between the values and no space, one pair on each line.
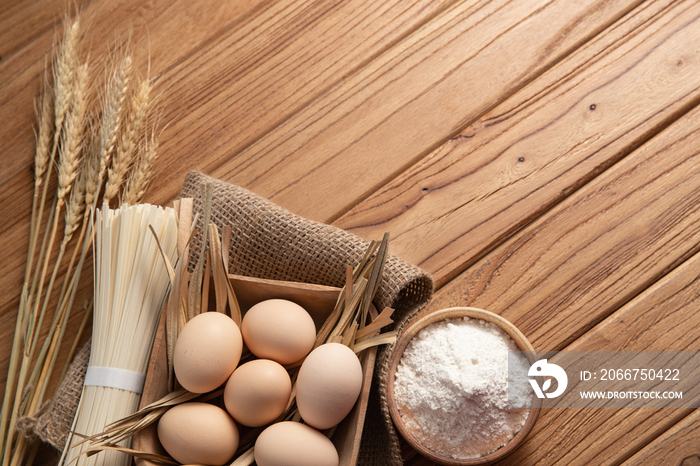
54,419
269,242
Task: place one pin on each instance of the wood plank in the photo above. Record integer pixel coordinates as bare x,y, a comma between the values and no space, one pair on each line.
250,81
153,26
23,20
398,108
597,249
656,320
577,279
543,143
678,446
659,319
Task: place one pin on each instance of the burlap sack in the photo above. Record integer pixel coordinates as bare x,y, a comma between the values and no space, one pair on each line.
54,420
269,242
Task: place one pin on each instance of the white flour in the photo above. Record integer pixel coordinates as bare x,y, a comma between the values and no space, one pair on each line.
451,388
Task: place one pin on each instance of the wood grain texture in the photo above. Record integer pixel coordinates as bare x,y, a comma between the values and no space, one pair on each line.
154,27
268,68
597,249
380,120
579,264
543,143
658,319
678,446
415,116
23,20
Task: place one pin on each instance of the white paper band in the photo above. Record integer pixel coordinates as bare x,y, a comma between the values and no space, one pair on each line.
115,378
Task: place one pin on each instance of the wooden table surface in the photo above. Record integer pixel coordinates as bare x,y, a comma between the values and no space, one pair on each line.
541,158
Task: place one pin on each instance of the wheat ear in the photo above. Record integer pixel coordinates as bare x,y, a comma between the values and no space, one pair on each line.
140,176
116,97
91,152
71,143
45,127
63,84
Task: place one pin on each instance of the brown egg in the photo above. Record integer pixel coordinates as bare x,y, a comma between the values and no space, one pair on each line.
328,384
294,444
207,351
278,329
257,392
198,433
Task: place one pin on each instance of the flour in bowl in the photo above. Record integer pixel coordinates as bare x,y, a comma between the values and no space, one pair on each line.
451,388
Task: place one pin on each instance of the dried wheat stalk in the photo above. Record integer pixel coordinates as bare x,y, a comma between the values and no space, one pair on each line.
112,125
41,161
140,177
64,83
134,124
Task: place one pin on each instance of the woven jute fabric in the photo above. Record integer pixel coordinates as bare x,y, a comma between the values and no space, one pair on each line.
270,242
54,421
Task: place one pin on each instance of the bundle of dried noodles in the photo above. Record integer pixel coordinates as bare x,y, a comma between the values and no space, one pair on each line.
131,281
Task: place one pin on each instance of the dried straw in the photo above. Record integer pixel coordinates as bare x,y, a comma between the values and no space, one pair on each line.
70,151
134,125
43,138
113,115
41,161
63,86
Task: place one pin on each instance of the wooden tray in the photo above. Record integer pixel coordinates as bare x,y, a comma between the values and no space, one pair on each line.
319,301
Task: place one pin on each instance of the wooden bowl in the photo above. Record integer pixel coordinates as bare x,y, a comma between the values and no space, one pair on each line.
319,301
412,330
